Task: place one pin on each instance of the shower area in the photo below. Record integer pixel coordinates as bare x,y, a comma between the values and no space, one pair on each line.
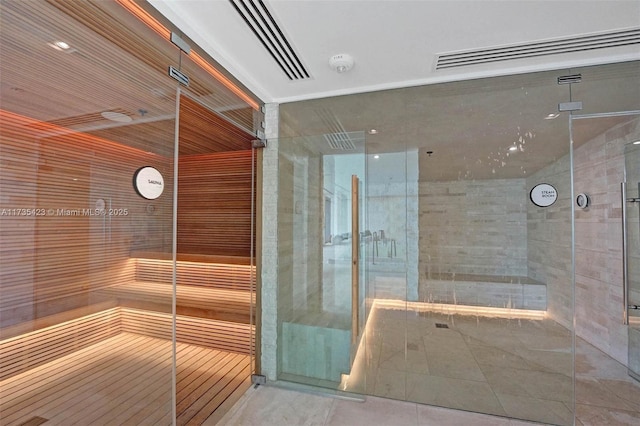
462,244
127,214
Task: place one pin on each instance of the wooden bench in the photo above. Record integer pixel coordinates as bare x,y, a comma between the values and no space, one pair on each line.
205,287
31,349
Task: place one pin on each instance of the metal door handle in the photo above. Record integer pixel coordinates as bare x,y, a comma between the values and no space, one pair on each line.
625,257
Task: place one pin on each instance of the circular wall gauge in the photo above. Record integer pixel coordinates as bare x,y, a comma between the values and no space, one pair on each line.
583,200
148,182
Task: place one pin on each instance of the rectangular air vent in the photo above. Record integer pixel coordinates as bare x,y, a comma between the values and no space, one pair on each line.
340,141
261,22
541,48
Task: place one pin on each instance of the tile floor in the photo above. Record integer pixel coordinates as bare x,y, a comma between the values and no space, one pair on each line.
269,405
507,369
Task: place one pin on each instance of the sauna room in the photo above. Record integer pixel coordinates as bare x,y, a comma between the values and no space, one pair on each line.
127,200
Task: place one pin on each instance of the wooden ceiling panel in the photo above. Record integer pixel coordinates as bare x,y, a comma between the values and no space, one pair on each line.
203,132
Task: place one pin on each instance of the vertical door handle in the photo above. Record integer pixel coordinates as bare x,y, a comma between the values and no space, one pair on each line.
625,257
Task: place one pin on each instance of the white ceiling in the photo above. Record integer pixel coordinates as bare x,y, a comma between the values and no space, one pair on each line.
395,43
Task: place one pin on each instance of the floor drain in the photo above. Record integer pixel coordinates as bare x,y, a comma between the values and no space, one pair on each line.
440,325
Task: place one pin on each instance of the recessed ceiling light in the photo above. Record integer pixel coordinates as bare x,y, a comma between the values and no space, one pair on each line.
116,116
376,156
551,116
373,131
636,143
60,45
513,148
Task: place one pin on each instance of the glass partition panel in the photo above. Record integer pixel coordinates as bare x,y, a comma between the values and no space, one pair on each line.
215,269
631,295
86,325
469,295
322,241
607,170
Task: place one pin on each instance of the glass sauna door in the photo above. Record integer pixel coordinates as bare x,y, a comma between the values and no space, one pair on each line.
86,330
322,242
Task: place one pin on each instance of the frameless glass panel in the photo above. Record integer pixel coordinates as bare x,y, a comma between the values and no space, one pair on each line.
87,323
318,203
472,308
215,272
607,168
606,239
632,246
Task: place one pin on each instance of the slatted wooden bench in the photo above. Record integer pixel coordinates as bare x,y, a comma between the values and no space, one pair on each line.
31,349
205,286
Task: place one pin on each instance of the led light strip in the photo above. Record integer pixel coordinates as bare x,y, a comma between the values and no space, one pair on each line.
447,308
156,26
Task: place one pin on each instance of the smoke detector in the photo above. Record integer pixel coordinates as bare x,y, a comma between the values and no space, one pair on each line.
340,63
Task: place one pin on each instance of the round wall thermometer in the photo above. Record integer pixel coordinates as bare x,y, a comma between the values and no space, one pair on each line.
543,195
583,200
148,182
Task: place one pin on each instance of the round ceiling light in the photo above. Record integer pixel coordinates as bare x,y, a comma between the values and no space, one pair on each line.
340,63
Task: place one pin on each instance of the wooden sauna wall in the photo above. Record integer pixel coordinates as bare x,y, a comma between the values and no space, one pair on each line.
51,262
214,203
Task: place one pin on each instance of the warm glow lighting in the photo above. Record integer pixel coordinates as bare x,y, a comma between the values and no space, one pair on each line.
61,45
118,117
222,79
145,17
451,309
152,23
27,127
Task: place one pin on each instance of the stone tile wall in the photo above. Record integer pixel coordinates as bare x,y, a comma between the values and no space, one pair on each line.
549,241
599,169
473,227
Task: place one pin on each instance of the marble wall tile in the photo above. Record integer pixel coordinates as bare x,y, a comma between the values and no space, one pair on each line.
269,243
599,168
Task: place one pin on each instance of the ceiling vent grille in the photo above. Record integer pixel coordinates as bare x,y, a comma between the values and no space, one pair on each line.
338,138
340,141
541,48
256,15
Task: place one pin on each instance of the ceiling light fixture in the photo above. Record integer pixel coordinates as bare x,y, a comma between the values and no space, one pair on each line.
62,46
513,148
341,63
116,116
551,116
376,156
636,143
373,132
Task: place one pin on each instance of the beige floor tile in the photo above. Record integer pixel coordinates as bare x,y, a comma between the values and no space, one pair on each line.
390,384
267,406
373,412
560,361
456,362
496,357
589,415
527,383
432,416
628,390
591,391
540,410
453,393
